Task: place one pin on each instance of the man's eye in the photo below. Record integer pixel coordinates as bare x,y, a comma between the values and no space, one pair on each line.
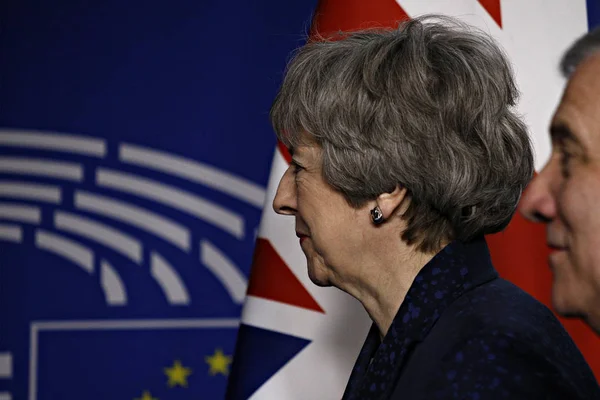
565,158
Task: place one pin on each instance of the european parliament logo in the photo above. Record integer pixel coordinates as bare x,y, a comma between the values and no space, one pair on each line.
119,277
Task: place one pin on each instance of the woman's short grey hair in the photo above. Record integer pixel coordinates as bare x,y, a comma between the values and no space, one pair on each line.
583,47
427,106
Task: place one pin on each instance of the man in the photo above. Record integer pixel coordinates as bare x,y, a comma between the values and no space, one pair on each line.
566,194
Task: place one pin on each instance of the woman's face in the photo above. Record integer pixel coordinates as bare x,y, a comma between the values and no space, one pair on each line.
331,232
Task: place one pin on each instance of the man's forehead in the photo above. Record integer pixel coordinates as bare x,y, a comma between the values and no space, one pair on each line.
580,103
585,80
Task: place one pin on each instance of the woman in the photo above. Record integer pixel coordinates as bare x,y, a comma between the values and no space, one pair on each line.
406,151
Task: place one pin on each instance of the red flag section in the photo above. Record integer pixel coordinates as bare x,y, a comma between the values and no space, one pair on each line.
493,8
284,152
348,15
272,279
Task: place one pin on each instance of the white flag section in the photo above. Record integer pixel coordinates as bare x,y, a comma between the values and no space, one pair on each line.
321,369
534,34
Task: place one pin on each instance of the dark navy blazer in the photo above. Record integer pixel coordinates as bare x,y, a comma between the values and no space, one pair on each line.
464,333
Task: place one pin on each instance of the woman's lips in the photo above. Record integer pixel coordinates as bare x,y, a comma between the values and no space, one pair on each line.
302,237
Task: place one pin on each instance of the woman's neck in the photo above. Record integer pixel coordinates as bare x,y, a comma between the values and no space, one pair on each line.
383,291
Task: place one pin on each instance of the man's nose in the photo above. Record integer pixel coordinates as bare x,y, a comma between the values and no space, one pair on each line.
285,199
538,203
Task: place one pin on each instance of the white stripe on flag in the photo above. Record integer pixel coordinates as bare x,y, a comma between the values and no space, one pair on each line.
5,365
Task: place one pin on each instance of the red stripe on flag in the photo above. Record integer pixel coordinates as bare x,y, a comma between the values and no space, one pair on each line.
284,152
272,279
493,8
520,255
350,15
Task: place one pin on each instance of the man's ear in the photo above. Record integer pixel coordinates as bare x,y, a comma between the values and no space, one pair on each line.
396,201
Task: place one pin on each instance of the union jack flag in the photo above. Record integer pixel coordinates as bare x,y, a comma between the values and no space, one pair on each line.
299,341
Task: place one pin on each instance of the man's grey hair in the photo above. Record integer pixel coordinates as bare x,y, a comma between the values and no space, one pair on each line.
583,47
427,106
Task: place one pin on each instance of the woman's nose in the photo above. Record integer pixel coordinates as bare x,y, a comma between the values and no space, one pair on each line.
285,199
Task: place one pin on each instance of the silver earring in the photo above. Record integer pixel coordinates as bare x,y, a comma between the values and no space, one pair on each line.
377,215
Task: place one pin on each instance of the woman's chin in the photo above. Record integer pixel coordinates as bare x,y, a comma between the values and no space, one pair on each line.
320,283
318,278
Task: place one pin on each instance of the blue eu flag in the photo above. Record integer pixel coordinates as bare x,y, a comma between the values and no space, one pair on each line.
134,150
164,359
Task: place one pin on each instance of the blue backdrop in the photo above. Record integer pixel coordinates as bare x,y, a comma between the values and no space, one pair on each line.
134,150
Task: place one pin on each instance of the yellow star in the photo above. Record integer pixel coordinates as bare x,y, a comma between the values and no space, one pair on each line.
177,374
219,363
146,396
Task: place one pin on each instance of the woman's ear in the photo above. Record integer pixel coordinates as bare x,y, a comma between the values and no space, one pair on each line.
396,201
